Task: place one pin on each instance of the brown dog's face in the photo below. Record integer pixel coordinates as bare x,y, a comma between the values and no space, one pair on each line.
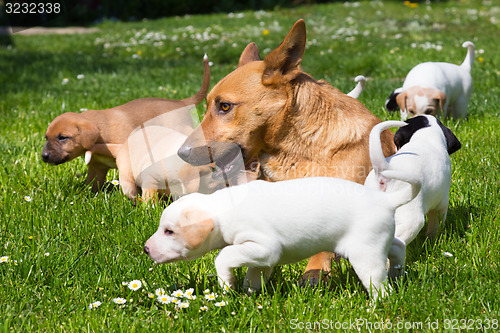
67,137
419,101
245,105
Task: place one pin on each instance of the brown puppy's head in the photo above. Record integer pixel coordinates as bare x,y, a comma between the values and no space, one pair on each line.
417,101
241,105
68,136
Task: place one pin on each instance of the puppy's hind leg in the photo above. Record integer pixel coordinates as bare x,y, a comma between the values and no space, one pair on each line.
397,254
434,216
254,278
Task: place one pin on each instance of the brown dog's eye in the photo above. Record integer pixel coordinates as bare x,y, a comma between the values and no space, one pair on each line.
225,107
428,111
168,232
62,138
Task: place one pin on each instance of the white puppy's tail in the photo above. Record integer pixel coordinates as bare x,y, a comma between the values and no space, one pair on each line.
360,79
408,193
469,58
377,157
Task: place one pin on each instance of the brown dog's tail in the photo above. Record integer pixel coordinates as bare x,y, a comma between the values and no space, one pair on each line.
202,93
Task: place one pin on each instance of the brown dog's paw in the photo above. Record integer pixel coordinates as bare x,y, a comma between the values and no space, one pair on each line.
314,277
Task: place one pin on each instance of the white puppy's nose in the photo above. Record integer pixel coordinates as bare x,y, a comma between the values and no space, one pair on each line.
146,249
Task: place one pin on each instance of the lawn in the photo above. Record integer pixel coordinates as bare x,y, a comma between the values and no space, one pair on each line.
64,248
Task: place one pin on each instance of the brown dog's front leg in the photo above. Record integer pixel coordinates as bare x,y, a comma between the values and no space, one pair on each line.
318,266
96,176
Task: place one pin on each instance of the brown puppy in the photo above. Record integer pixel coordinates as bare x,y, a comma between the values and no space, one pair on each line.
294,125
70,134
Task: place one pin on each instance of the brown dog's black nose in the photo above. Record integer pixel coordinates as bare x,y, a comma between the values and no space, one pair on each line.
146,249
45,156
184,152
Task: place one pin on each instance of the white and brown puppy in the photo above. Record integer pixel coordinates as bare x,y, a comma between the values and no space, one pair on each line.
424,145
71,134
261,224
435,88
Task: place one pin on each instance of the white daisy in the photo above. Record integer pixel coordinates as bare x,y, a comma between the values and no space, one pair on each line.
164,299
94,305
447,254
221,303
204,308
119,300
4,259
160,292
178,293
65,81
189,292
27,198
80,76
135,285
211,296
115,182
183,305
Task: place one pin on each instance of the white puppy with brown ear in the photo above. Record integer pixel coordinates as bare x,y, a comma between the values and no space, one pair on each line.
261,224
424,146
434,88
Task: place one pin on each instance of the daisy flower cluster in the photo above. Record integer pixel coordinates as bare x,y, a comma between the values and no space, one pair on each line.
176,300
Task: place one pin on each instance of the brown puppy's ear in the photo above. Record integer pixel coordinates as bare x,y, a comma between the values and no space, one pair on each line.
88,132
283,63
195,226
249,54
401,100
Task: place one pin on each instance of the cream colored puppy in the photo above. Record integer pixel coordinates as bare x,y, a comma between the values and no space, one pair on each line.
148,160
435,88
261,224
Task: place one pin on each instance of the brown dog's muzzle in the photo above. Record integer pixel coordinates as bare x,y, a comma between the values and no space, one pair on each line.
53,156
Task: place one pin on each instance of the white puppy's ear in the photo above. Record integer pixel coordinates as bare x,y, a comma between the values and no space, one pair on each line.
194,227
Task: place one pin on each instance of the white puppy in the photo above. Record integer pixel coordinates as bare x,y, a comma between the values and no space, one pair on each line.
435,87
262,224
356,92
423,146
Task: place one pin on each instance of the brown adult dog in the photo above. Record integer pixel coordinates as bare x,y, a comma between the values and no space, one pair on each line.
294,125
71,134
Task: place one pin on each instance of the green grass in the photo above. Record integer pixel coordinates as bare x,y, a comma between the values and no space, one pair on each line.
68,247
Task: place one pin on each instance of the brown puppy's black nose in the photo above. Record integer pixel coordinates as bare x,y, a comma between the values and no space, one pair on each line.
146,249
45,156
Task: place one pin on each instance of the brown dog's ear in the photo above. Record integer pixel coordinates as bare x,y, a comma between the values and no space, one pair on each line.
249,54
401,100
88,132
195,226
283,63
